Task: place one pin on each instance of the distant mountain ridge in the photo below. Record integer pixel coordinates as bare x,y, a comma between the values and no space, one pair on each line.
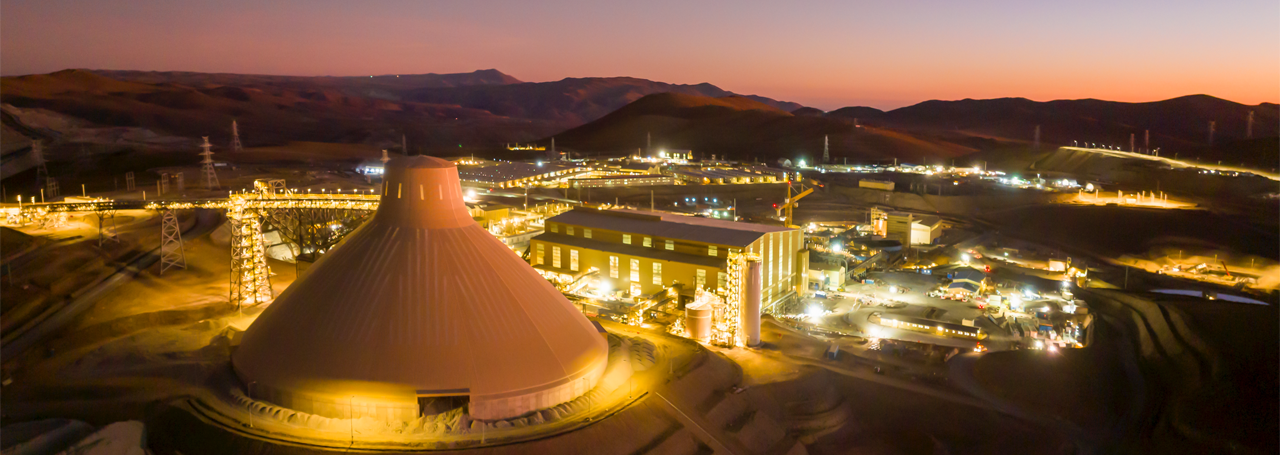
737,127
1176,122
487,107
572,100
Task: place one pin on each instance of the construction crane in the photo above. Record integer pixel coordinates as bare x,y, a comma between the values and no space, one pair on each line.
791,203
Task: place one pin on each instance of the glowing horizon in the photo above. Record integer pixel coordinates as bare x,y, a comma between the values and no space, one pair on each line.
826,54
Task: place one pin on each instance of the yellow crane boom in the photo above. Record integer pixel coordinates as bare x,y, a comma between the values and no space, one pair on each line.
790,204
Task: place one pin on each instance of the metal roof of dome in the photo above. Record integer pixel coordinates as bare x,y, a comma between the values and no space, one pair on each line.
420,297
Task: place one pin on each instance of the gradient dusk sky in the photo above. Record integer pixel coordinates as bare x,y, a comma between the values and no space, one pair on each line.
827,54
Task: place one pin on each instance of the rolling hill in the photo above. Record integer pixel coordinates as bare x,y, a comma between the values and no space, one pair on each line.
741,128
433,110
1178,125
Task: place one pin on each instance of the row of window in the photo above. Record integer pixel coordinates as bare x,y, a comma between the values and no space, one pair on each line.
647,242
541,254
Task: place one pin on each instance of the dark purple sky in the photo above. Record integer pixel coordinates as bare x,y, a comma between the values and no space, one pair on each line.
827,54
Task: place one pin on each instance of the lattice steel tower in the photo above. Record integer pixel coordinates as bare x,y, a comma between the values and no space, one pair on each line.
235,137
206,166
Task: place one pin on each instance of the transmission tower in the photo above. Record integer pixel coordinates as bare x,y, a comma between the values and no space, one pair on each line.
128,181
250,278
181,183
206,166
235,137
171,254
51,187
42,172
826,154
164,183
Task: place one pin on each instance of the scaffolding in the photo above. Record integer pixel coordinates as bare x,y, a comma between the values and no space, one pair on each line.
172,255
250,278
726,322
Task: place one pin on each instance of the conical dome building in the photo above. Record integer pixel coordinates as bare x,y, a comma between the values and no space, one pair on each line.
420,302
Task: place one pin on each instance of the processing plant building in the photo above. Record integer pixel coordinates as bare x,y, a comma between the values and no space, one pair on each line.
641,253
420,304
512,175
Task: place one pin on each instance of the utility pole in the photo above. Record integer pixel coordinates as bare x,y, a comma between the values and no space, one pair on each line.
1037,138
1248,128
1146,140
404,144
648,142
1132,144
1212,126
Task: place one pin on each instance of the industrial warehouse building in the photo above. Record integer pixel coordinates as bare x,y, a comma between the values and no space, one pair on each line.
966,282
621,180
420,306
908,228
640,253
725,176
512,175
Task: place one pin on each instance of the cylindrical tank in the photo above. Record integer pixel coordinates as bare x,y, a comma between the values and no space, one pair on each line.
751,295
698,322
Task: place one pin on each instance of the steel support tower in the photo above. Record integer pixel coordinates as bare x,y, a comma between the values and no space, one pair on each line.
128,181
172,255
106,225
